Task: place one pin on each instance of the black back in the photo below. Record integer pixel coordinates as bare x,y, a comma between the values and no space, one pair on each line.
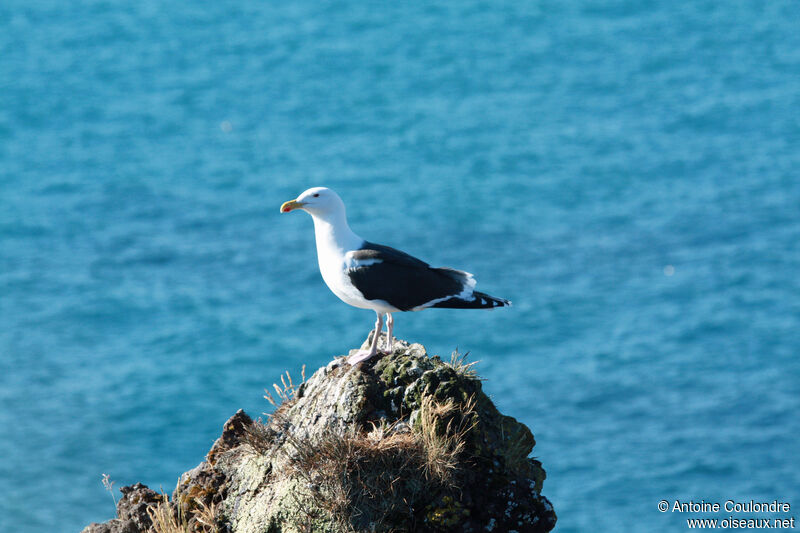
403,281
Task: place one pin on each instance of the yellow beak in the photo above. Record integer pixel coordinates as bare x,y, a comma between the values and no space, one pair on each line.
290,205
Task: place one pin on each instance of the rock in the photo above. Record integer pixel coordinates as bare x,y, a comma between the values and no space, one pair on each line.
403,442
112,526
131,512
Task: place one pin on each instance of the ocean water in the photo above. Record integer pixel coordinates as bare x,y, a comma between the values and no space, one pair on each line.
627,172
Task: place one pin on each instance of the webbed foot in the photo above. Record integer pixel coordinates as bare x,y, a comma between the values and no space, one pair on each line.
361,356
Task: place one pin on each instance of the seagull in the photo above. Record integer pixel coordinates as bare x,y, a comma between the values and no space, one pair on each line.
373,276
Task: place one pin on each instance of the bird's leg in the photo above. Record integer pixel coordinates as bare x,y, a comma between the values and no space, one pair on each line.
363,355
389,327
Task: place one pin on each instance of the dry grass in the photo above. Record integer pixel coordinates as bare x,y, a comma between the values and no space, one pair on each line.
206,517
259,436
109,486
353,475
288,391
382,475
517,450
167,519
458,362
443,427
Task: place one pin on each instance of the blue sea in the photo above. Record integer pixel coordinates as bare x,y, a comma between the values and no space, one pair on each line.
627,172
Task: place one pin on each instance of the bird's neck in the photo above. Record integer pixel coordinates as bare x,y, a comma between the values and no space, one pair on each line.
334,235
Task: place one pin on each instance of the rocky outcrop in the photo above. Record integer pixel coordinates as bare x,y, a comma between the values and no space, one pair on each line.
404,442
131,511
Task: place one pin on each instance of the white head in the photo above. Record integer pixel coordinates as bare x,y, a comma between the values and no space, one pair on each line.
318,202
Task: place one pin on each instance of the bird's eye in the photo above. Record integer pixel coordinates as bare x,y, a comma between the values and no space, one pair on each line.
316,195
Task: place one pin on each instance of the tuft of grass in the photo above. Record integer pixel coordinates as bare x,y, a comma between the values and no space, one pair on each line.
458,362
259,436
169,518
287,392
442,430
206,517
353,475
385,473
166,518
109,486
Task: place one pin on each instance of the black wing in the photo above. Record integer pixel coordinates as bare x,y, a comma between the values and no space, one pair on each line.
403,281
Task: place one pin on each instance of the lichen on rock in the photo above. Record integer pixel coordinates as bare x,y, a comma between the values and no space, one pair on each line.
404,442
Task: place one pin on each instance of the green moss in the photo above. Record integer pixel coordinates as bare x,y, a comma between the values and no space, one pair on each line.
446,514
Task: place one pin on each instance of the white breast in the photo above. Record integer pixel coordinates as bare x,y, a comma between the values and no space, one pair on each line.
334,241
333,266
335,244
